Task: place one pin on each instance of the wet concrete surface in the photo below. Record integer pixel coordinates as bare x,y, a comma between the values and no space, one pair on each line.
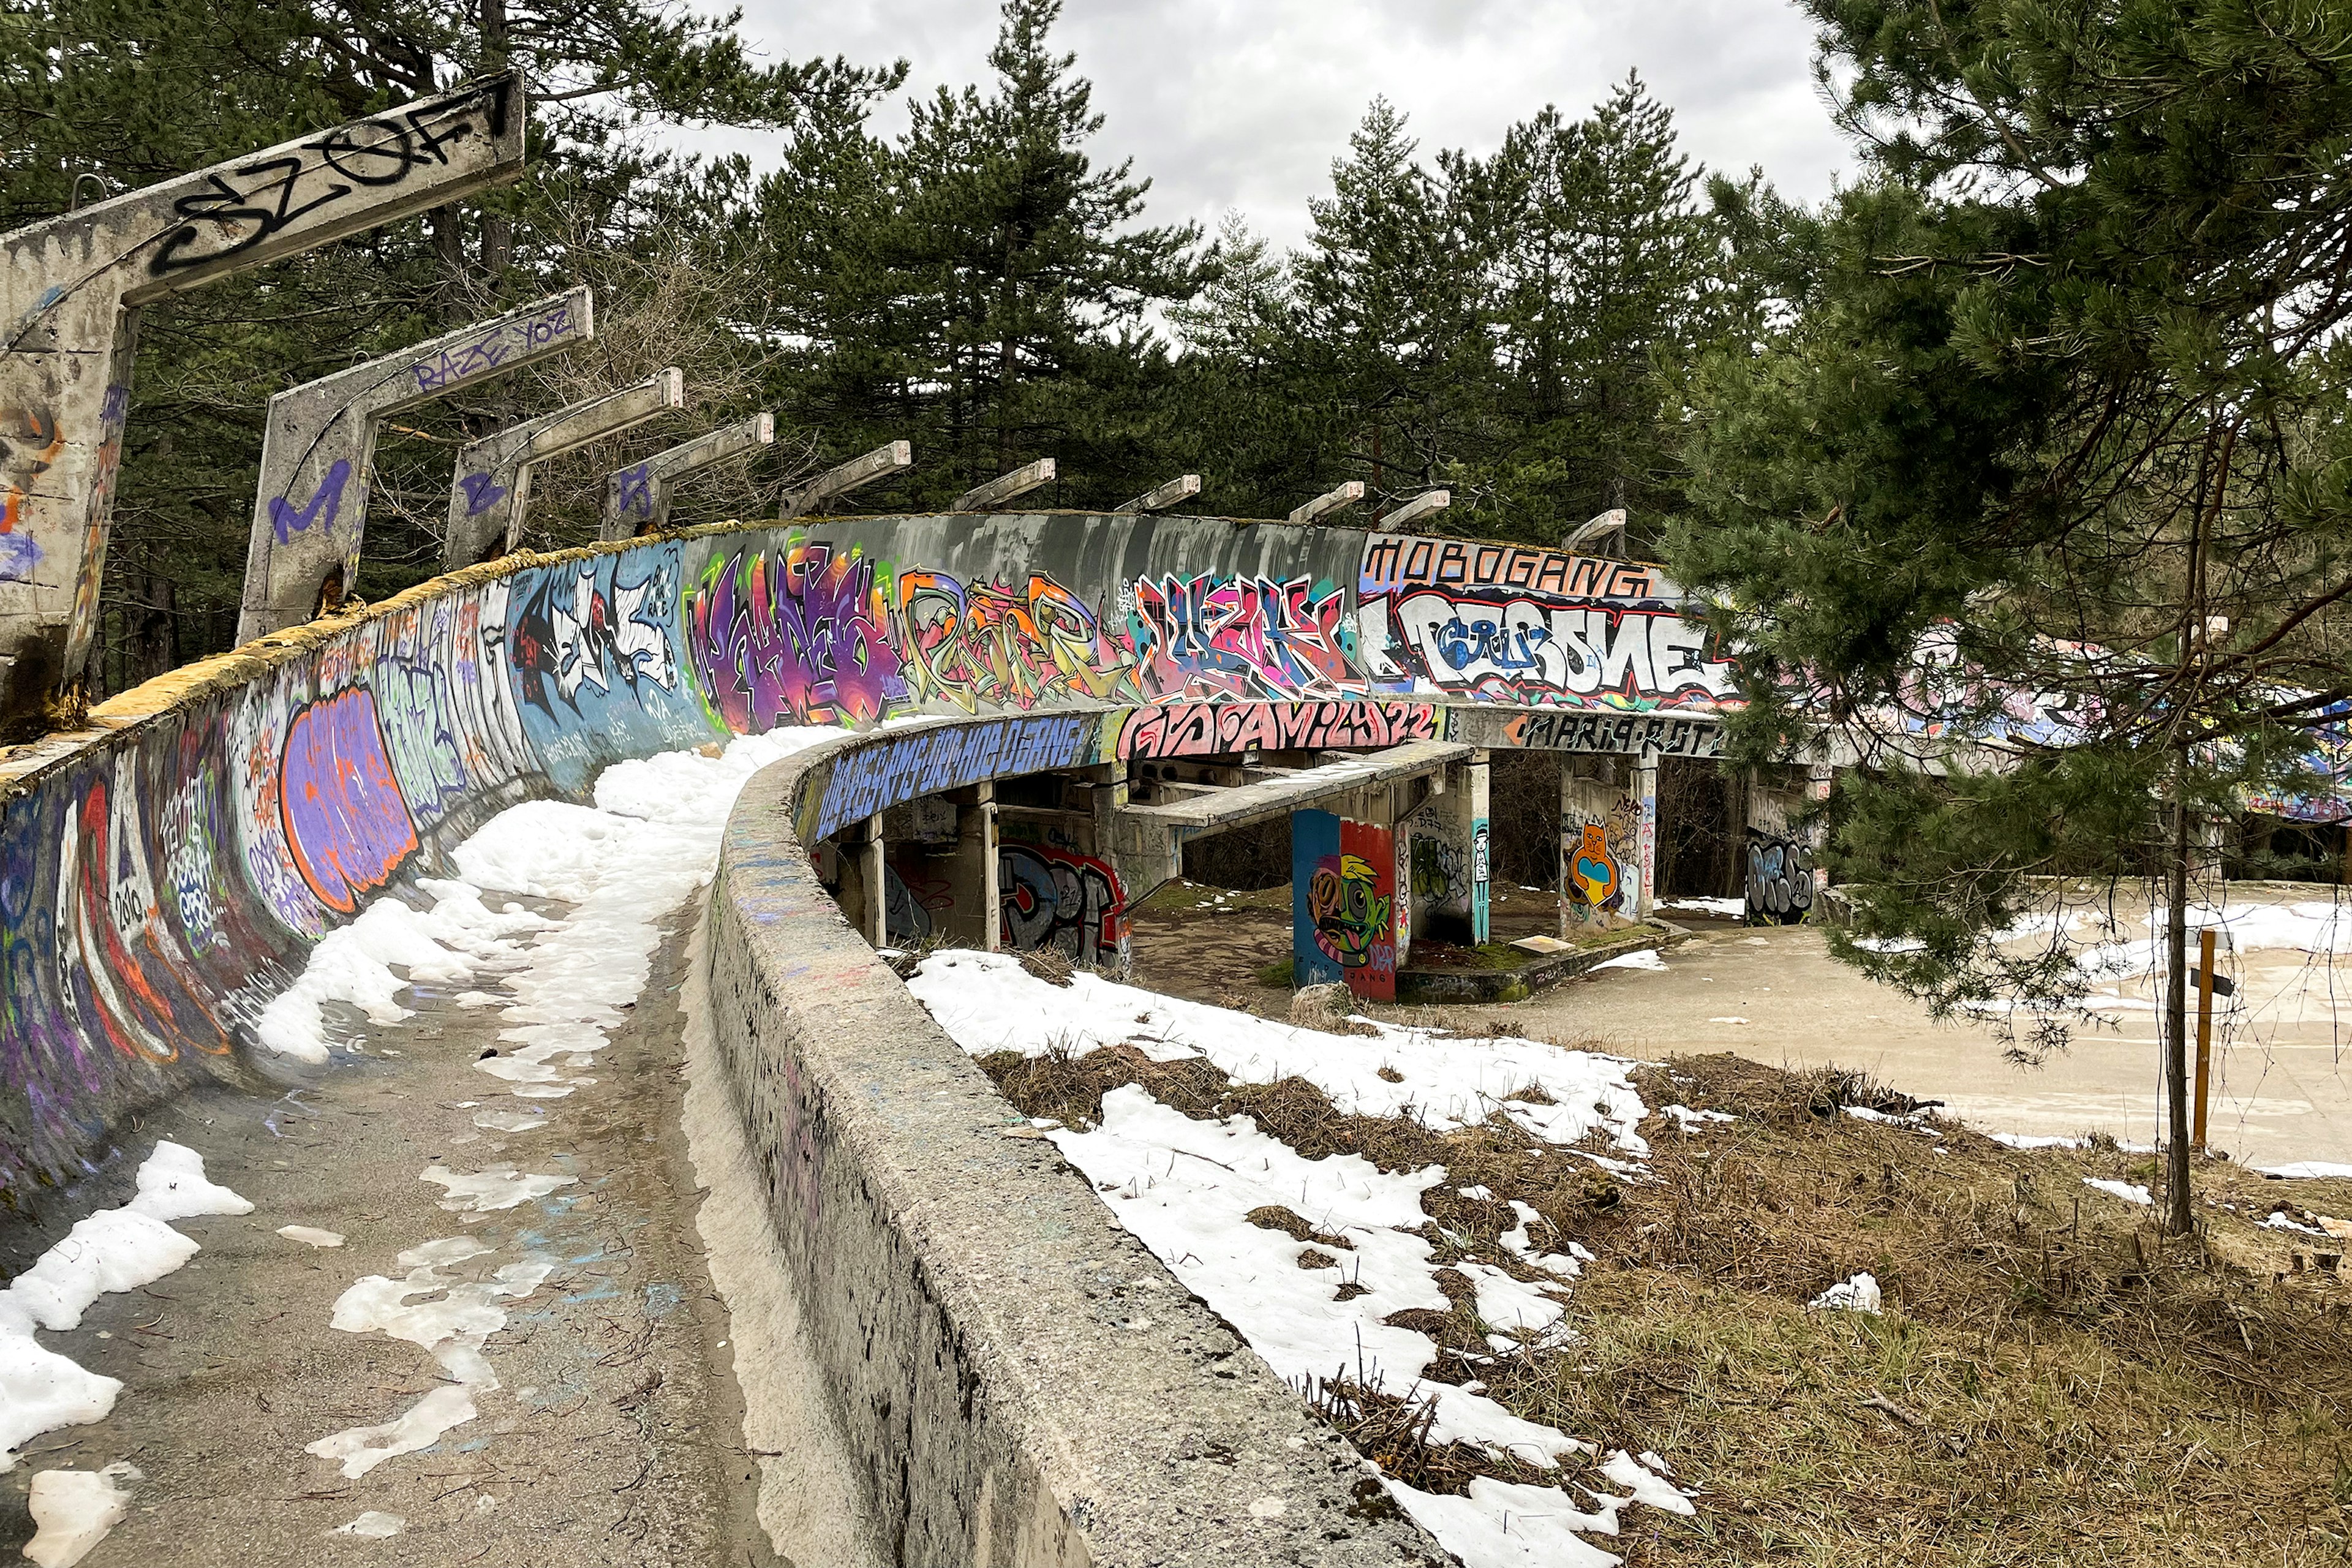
616,1433
2282,1085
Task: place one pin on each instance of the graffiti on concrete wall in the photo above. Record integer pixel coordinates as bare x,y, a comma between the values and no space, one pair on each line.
985,646
1213,729
1343,904
346,825
1241,637
1601,856
1779,877
30,443
876,777
598,670
1622,734
1507,624
796,634
1056,898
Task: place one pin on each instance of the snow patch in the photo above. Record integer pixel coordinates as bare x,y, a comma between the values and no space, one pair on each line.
1858,1294
73,1510
373,1525
2126,1191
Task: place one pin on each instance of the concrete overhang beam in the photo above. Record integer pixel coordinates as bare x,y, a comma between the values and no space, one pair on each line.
1244,804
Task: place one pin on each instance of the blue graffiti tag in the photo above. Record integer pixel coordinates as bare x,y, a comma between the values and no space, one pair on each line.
325,501
481,494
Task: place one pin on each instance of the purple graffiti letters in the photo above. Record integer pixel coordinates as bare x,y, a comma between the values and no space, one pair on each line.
345,822
796,636
481,493
1242,637
325,501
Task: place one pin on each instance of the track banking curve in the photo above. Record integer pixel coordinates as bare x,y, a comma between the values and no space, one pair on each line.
165,873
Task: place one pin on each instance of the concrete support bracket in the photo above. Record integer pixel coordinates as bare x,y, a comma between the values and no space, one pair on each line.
1181,488
1348,494
492,488
1007,487
70,290
317,451
638,498
878,464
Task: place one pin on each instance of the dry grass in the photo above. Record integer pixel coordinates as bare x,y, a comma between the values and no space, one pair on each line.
2052,1383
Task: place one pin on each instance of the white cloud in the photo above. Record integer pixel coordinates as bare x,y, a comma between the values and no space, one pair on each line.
1243,103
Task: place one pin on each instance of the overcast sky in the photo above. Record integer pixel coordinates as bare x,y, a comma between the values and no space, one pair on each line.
1243,103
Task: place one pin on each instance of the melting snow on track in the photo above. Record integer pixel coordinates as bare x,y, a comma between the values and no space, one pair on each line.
1186,1188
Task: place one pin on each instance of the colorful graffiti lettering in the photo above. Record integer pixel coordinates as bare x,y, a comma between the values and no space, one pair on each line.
286,522
450,366
1213,729
875,778
1780,878
1520,650
1441,872
993,645
793,637
346,825
1396,562
1058,899
1242,637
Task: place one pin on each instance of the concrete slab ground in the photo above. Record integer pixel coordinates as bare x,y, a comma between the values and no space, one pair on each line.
615,1436
2283,1086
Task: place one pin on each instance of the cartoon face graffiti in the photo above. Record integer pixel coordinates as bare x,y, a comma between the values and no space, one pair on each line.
1348,913
1592,873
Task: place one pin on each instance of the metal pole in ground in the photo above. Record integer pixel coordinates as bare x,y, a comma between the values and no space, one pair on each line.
2204,1029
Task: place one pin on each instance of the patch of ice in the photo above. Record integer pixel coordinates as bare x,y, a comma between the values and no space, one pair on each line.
1727,908
2126,1191
73,1510
510,1120
1858,1294
373,1525
2320,1169
1647,958
987,1001
1727,1020
500,1187
172,1186
310,1235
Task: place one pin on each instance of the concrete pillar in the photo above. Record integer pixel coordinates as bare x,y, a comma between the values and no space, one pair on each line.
978,921
864,897
492,489
1473,807
638,498
317,450
70,293
1645,794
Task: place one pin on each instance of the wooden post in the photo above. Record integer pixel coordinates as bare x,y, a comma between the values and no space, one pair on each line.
2204,1029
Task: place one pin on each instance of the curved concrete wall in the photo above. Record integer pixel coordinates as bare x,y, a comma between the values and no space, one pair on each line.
1023,1381
164,875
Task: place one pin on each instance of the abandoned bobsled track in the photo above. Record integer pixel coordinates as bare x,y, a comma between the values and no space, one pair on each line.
1015,1379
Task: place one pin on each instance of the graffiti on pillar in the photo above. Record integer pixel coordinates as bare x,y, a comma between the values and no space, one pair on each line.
1601,856
285,519
637,487
909,902
1779,877
30,442
482,492
1058,899
1227,729
346,825
1510,623
993,645
1212,635
795,636
1441,872
1343,904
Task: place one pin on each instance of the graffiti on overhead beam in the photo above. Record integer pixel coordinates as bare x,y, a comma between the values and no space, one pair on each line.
1607,729
1223,728
488,354
982,645
795,636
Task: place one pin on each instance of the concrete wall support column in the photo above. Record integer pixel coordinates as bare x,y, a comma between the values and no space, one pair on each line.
1482,860
638,498
317,451
491,490
70,290
978,921
1645,792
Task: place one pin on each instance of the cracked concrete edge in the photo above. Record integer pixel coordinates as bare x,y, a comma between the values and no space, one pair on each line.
1020,1381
